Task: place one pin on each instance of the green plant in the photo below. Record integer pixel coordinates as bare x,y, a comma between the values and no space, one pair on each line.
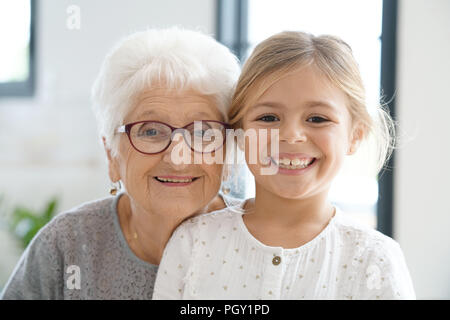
25,223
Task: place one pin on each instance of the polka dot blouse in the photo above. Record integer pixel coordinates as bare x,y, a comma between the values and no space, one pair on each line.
214,256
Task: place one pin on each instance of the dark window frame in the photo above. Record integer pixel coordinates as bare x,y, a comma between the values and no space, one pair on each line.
24,88
232,31
385,204
232,25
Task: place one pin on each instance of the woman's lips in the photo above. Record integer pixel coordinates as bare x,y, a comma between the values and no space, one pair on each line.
175,181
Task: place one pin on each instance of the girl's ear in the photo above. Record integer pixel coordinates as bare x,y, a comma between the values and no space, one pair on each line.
113,166
355,139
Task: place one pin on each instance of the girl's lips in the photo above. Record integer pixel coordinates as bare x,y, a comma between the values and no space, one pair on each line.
292,156
296,172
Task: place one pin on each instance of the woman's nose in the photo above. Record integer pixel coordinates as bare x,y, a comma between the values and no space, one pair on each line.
178,154
292,132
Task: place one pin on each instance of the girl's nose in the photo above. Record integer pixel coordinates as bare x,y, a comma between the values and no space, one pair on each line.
292,133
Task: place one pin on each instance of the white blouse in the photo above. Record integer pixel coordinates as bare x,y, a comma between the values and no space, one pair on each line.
214,256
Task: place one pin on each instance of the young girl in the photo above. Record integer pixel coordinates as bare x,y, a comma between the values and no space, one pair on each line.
290,242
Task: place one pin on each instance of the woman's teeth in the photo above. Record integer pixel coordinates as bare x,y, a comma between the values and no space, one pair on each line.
174,180
286,163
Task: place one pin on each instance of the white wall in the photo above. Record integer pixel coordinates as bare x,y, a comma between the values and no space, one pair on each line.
48,144
422,187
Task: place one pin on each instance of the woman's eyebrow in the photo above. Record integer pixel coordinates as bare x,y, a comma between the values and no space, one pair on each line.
148,113
195,115
201,114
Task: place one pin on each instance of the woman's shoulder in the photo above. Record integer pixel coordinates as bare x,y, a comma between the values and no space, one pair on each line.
78,222
87,212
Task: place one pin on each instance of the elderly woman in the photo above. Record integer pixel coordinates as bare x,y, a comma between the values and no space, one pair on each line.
151,89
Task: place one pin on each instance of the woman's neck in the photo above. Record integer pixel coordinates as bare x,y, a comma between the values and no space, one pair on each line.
147,233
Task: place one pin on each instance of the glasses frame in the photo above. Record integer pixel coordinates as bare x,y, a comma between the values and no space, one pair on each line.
126,128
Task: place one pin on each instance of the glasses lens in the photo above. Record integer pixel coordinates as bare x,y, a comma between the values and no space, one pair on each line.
206,136
150,137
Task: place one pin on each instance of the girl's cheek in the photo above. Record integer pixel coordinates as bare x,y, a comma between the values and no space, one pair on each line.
266,145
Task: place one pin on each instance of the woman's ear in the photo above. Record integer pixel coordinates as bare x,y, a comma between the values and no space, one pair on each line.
240,140
226,172
356,138
113,167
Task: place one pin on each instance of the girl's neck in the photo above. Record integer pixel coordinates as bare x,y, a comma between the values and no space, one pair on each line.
289,223
282,211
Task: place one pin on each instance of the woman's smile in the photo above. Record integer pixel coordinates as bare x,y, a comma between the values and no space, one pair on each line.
176,181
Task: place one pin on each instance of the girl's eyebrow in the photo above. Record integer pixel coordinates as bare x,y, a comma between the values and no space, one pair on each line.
309,104
269,104
320,103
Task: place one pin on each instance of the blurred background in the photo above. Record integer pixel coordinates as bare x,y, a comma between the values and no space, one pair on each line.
51,158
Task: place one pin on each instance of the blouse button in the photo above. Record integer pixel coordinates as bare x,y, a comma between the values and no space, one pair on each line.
276,260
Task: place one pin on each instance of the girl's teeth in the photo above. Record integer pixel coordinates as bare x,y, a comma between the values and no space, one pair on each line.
294,163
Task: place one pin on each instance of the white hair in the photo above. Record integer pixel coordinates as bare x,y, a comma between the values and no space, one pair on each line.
177,58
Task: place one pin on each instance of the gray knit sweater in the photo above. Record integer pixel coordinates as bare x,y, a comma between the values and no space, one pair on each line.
82,254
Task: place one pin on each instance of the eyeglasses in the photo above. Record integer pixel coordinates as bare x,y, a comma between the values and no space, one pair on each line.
152,137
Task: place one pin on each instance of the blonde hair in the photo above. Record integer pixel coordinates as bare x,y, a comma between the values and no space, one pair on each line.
285,53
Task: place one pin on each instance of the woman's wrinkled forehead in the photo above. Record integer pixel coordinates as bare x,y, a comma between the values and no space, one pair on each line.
161,103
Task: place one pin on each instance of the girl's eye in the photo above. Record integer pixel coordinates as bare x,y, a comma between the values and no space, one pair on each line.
317,119
268,118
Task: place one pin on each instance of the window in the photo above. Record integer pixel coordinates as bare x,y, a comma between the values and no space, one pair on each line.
365,25
17,47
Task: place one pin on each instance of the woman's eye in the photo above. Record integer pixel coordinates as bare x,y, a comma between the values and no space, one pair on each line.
268,118
150,132
317,119
199,133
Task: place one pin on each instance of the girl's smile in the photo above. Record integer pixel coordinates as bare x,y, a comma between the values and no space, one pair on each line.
314,133
293,164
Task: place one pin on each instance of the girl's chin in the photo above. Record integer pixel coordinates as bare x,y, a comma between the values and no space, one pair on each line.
291,196
293,192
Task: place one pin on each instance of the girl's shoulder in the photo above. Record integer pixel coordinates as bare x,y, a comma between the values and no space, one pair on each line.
376,258
360,239
351,229
223,219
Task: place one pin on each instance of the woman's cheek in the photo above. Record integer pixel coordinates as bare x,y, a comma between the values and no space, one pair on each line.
214,174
